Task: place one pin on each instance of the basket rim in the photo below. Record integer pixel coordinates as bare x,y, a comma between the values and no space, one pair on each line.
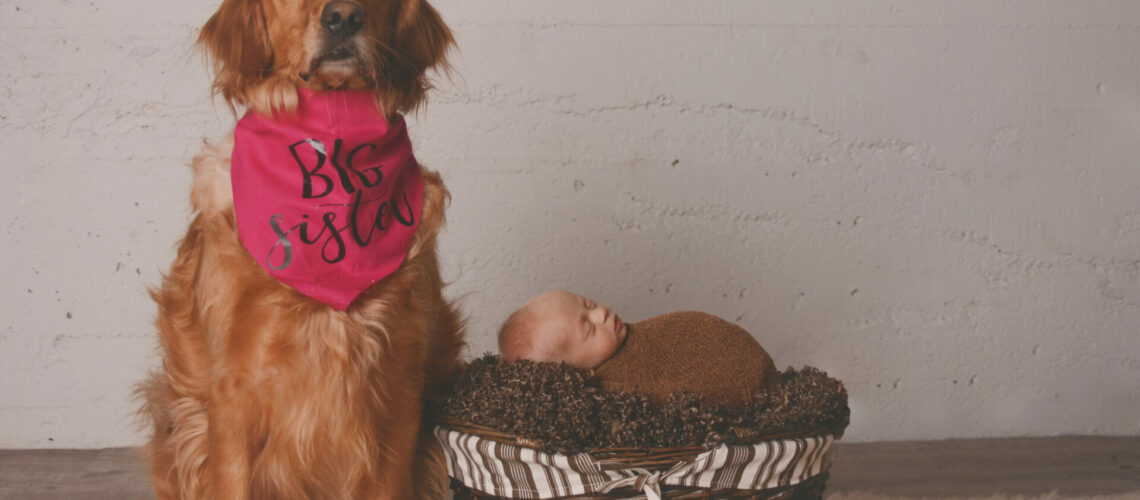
835,427
692,493
809,453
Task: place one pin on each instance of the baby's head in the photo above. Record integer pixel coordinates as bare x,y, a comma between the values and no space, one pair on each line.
562,326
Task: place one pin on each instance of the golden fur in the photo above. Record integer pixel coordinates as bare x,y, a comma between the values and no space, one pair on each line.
267,394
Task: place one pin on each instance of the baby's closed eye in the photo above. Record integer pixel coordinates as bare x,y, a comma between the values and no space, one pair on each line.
589,326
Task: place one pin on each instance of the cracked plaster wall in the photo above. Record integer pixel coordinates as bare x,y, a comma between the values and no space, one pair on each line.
937,202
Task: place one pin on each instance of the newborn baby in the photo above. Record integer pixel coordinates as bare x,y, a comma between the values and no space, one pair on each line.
671,353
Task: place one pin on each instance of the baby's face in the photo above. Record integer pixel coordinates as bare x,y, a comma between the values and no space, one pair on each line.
581,332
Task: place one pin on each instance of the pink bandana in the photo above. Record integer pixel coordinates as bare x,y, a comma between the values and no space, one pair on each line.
327,201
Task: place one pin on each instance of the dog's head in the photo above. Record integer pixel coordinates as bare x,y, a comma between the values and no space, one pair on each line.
263,50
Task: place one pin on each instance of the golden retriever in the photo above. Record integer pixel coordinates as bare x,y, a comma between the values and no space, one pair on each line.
265,393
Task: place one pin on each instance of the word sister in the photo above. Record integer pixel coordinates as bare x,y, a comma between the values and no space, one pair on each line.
332,225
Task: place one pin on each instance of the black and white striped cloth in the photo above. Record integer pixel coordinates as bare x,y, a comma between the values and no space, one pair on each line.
511,471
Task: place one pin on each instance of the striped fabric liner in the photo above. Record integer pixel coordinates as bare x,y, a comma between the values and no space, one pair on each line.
512,471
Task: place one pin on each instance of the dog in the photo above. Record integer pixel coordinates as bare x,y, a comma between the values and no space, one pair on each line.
265,392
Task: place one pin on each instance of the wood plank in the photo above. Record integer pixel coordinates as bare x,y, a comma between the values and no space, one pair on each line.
118,473
973,467
982,467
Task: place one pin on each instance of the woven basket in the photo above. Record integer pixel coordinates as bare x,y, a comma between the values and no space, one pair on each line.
790,464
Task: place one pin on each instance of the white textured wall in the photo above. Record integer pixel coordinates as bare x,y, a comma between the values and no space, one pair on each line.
938,202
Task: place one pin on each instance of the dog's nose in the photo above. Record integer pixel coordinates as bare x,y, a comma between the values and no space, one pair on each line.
342,19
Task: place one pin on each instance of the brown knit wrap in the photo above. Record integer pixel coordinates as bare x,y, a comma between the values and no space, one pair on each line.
690,351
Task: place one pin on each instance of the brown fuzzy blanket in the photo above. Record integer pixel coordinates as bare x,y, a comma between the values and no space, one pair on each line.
568,410
690,352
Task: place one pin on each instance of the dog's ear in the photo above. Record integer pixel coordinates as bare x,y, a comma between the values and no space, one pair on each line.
237,44
422,36
422,41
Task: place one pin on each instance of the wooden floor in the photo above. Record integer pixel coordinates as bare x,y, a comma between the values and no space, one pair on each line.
1071,466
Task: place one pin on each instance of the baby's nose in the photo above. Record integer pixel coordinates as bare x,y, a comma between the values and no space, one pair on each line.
598,314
